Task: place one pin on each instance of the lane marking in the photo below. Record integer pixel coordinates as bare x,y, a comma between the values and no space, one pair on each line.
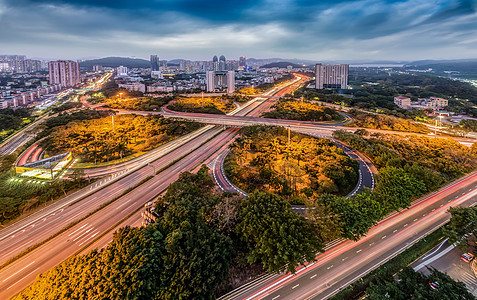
359,251
276,297
295,286
330,267
383,237
77,229
18,271
313,276
22,278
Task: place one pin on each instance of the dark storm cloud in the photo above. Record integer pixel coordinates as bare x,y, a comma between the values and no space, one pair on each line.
196,29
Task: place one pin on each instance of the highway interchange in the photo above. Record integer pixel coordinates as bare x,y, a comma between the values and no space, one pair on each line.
340,265
41,225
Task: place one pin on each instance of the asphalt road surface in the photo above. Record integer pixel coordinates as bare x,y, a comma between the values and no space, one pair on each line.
348,261
446,258
44,223
22,272
38,227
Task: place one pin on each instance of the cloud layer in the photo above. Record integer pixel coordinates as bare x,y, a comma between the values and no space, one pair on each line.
328,30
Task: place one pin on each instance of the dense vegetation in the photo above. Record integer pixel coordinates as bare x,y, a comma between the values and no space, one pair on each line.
375,90
65,118
408,167
71,105
187,254
17,197
262,159
210,105
383,122
95,140
462,227
13,119
415,285
302,110
138,104
414,86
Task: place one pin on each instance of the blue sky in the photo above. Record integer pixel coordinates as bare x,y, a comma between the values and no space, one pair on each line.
305,29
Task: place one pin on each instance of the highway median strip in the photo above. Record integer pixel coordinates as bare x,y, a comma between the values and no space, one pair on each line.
33,247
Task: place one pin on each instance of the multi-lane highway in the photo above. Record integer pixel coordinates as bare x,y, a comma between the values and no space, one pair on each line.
334,269
348,261
50,220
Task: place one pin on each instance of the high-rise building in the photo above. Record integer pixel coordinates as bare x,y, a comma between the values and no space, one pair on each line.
222,63
219,81
215,63
242,61
154,63
64,72
122,71
332,76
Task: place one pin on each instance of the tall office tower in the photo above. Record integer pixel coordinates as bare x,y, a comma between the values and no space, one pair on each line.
154,63
219,81
242,61
332,76
215,63
64,72
222,63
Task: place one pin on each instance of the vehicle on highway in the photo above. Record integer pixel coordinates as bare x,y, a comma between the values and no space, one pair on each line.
467,257
434,285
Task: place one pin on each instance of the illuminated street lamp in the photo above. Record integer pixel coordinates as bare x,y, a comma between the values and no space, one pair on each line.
121,95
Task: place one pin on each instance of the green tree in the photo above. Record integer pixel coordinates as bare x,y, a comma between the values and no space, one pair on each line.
357,214
395,188
277,237
414,285
462,225
129,268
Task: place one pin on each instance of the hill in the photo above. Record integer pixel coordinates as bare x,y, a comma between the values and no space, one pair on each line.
281,64
114,62
466,69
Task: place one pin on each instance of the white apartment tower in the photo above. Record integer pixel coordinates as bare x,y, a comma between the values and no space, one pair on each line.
64,72
220,81
332,76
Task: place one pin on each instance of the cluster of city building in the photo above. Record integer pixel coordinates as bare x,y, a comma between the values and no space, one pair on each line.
421,103
217,75
20,64
61,74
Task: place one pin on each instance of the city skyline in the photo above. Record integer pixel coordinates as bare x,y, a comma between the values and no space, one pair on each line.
324,30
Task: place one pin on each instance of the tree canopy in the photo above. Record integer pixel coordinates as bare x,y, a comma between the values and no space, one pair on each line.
415,285
462,227
277,237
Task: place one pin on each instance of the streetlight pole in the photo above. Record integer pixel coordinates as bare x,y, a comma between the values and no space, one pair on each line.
112,121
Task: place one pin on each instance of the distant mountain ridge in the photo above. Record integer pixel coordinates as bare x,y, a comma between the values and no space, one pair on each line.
281,64
114,62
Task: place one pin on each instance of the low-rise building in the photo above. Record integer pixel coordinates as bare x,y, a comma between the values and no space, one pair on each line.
403,102
434,102
133,86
